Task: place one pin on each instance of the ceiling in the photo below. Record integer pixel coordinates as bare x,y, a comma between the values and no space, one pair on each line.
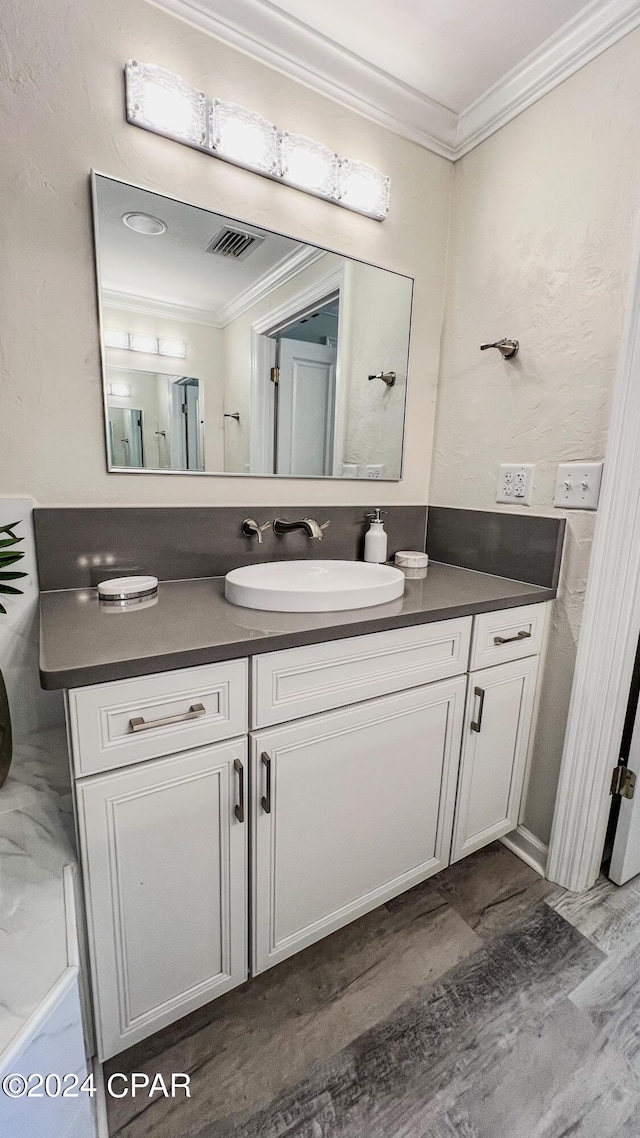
174,269
444,73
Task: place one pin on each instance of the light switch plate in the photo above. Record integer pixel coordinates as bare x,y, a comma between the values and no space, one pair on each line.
515,483
578,485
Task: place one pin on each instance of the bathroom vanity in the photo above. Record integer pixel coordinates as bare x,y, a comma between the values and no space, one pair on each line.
231,813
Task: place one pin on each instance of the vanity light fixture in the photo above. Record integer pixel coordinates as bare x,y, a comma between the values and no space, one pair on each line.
309,165
144,223
121,390
243,137
152,345
162,102
175,348
138,342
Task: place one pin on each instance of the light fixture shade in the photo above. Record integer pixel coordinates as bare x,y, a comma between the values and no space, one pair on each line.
364,188
113,338
243,136
176,348
120,390
308,164
163,102
140,343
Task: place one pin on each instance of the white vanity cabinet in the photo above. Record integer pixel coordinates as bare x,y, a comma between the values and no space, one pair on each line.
360,766
165,873
350,808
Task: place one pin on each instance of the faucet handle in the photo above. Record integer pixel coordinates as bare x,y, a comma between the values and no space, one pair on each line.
251,527
325,525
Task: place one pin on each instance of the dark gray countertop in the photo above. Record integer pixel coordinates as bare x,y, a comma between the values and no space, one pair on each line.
192,623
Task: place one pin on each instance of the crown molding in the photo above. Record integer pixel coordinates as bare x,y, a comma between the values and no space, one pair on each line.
280,274
571,48
148,306
261,30
285,270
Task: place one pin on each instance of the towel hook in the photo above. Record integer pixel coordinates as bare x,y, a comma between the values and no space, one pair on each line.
507,348
388,377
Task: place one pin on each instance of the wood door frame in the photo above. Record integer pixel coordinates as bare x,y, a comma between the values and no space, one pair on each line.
263,359
609,632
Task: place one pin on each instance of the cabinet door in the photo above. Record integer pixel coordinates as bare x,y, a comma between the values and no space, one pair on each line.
164,855
350,808
496,735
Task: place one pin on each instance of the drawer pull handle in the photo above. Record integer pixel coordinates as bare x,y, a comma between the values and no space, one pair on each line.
266,798
477,723
239,807
194,712
511,639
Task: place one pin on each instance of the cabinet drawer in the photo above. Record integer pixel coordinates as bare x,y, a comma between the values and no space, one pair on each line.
113,725
302,681
509,634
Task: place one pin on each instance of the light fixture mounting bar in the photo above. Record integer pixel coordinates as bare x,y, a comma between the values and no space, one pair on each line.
159,101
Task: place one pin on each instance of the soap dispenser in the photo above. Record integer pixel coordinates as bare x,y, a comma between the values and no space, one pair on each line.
375,539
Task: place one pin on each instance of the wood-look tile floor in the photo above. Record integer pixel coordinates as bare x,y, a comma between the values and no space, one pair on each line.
484,1003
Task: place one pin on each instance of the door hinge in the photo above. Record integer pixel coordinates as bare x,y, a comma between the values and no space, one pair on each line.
275,375
623,781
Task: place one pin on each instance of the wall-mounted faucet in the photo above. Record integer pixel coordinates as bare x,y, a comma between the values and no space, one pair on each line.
507,348
251,528
310,526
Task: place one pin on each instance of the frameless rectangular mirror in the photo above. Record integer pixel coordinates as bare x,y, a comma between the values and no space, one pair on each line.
231,349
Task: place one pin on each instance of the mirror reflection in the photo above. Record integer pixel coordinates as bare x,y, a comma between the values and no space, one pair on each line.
232,349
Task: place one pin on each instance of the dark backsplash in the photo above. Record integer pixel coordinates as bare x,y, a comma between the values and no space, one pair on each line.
77,548
524,547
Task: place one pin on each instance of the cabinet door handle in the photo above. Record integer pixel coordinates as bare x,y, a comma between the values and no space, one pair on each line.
510,639
266,798
477,724
194,712
239,808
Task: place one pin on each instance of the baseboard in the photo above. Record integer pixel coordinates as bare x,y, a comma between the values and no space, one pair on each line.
528,848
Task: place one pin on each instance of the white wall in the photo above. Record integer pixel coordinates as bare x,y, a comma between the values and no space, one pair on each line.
376,326
63,113
542,221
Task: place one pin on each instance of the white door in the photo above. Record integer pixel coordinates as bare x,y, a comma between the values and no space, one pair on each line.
625,858
306,396
164,855
497,729
350,808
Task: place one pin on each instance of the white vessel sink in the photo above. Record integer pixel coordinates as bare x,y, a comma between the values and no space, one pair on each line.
313,586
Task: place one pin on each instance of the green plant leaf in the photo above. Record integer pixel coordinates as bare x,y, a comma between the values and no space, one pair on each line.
9,541
6,529
12,576
3,609
9,558
10,589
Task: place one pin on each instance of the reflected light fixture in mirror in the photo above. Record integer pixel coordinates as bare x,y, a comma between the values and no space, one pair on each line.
144,223
161,102
135,342
242,136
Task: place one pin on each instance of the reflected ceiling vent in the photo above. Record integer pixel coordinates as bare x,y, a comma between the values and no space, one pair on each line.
234,243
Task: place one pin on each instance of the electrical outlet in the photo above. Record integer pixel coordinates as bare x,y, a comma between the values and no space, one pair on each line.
374,470
515,484
578,485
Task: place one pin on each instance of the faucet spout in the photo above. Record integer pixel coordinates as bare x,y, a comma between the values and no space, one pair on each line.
310,526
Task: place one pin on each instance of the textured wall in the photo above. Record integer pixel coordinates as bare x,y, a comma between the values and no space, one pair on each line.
542,222
61,76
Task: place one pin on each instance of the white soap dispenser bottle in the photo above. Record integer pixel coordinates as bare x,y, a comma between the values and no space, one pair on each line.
375,539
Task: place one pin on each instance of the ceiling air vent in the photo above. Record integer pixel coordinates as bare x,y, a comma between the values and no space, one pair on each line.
234,243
